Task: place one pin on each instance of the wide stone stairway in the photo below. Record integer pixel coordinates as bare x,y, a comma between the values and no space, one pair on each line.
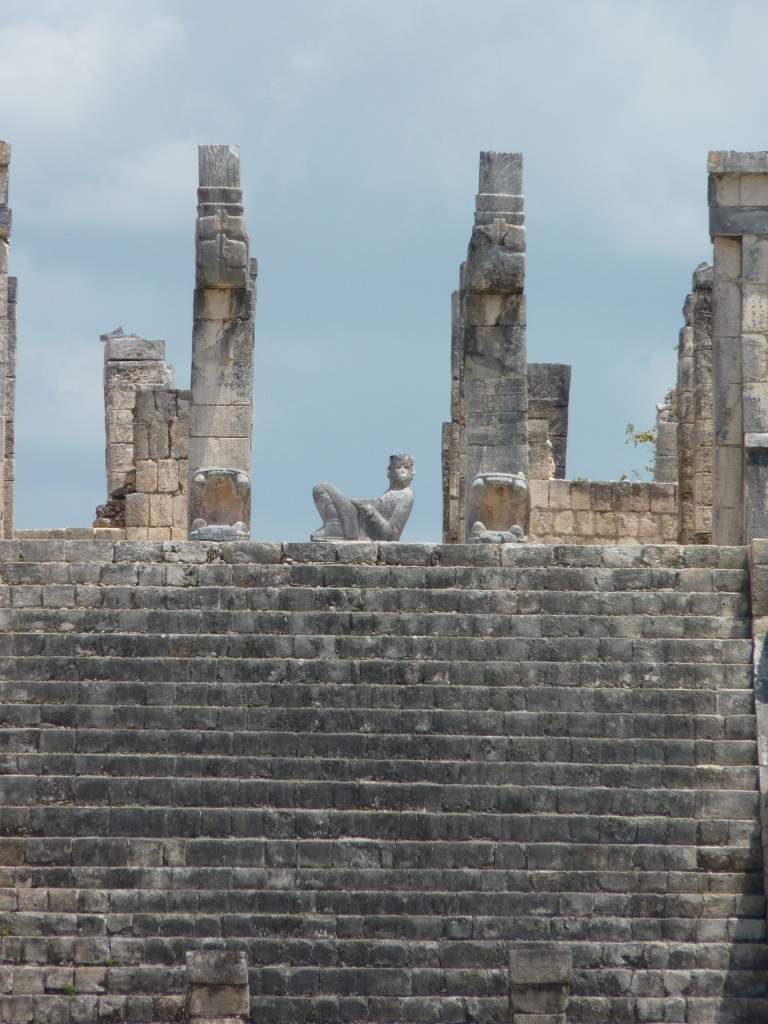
380,772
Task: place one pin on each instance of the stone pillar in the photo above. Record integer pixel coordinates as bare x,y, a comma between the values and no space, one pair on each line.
7,353
489,327
700,314
738,199
9,453
221,409
549,386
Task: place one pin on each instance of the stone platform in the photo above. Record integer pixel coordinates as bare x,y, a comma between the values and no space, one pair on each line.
414,783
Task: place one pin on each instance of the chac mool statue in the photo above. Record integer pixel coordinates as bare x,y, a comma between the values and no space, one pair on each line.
367,519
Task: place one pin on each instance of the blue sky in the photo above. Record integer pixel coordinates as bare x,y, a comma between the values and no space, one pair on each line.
360,126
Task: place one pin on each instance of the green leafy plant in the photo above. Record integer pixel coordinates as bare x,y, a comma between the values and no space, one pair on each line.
69,990
641,438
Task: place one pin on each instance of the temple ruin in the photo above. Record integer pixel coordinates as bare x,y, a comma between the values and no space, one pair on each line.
364,780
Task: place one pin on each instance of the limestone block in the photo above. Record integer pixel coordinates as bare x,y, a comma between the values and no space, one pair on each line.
120,426
501,173
601,496
584,524
217,967
754,259
724,190
727,415
605,525
580,495
754,358
226,452
159,533
136,510
179,436
663,497
755,409
224,421
667,526
167,476
559,494
132,348
180,510
726,308
539,493
120,457
563,524
158,441
146,476
754,317
134,373
118,397
753,189
160,510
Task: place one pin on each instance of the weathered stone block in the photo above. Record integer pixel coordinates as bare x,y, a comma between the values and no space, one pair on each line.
130,348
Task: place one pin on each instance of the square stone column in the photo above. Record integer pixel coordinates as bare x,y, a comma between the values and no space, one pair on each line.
489,402
7,351
221,408
738,200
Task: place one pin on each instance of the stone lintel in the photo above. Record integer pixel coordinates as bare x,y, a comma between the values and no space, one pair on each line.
219,166
738,220
728,161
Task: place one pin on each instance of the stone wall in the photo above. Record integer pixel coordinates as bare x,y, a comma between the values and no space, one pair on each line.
603,512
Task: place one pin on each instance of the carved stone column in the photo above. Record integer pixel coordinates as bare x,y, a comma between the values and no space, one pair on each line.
489,408
221,408
7,355
738,223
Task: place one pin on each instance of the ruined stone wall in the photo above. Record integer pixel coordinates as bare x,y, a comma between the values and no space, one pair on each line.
548,387
157,510
603,512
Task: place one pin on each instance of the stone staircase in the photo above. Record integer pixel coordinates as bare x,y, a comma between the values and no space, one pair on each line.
378,771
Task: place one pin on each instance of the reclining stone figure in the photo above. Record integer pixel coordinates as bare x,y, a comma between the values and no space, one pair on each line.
367,519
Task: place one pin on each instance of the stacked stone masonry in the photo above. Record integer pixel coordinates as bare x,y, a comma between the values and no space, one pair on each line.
603,512
409,783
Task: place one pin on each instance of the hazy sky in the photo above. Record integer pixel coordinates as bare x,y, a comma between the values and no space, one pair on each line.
359,125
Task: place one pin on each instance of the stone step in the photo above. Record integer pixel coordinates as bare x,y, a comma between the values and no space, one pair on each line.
321,771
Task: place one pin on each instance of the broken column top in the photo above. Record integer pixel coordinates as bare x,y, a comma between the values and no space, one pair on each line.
501,174
219,166
5,159
501,189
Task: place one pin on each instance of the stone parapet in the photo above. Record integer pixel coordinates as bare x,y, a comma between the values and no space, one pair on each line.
603,512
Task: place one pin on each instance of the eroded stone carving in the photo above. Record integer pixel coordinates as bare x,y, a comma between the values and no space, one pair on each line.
381,518
220,504
499,508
